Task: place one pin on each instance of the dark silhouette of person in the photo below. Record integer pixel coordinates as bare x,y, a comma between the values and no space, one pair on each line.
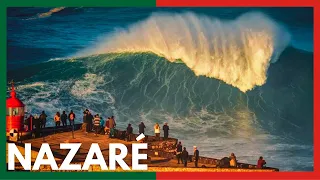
178,152
129,132
112,122
30,122
89,119
112,125
141,127
64,118
37,124
165,131
185,156
43,120
84,117
195,156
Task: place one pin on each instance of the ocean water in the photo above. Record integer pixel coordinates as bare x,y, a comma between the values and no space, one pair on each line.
225,79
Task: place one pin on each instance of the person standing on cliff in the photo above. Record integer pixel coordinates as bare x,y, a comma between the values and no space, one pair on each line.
112,125
36,122
89,119
129,132
107,127
195,155
57,119
233,160
261,163
113,122
178,152
43,119
165,131
141,127
157,131
185,156
64,118
30,122
101,131
96,124
84,121
71,117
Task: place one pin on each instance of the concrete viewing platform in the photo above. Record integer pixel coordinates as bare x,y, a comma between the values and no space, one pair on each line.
160,152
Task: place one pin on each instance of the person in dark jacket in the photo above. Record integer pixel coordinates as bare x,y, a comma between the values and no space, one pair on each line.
37,124
165,131
30,122
43,120
89,119
112,125
129,132
178,152
84,117
195,156
64,118
101,131
112,122
185,156
141,127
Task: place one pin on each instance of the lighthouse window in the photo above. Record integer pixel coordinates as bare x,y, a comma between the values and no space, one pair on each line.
19,111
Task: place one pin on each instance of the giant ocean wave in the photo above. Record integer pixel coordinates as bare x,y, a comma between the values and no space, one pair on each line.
145,87
131,75
237,52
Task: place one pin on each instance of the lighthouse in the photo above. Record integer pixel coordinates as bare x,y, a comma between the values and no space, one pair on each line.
14,113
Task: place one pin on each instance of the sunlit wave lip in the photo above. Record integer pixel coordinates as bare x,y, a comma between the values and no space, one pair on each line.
49,13
237,52
46,14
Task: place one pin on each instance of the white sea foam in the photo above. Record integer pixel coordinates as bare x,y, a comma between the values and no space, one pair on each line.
237,52
32,85
87,85
220,135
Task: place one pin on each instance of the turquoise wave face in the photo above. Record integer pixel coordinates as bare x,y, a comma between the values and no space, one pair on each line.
271,120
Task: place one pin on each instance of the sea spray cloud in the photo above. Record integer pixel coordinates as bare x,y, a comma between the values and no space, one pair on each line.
237,52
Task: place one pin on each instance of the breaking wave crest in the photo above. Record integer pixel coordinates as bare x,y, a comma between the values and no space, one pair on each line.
49,13
237,52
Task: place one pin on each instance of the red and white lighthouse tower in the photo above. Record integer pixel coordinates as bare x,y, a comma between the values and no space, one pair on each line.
15,112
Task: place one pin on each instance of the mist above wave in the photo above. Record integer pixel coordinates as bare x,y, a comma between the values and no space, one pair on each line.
237,52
